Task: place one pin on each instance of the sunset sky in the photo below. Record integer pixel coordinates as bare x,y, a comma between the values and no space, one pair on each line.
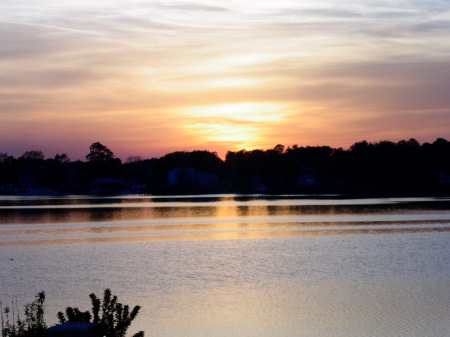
152,77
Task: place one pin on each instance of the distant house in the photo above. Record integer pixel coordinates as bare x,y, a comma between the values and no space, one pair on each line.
261,189
41,191
192,177
27,179
306,180
444,178
256,179
106,185
173,177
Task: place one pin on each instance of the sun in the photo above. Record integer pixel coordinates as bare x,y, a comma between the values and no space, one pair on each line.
242,124
227,132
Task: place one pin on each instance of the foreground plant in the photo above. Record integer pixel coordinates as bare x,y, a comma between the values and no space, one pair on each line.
32,326
115,315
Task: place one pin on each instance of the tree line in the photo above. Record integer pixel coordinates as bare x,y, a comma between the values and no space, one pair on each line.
405,166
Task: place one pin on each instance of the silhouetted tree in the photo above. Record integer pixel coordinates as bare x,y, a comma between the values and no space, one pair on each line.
240,169
202,161
205,161
139,172
33,155
101,163
99,152
273,169
5,158
61,158
279,149
8,170
133,159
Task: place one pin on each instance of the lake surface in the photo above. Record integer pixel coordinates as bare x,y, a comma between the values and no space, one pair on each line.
231,265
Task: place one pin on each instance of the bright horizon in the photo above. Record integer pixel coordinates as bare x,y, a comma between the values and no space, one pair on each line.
152,77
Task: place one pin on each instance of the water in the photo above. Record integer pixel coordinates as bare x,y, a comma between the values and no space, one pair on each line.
237,265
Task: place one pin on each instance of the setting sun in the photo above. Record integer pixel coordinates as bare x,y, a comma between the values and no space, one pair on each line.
239,125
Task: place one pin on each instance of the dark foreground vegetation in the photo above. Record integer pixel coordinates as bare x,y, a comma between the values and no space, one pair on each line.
383,167
114,314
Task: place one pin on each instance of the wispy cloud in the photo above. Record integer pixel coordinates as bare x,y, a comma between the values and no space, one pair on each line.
341,71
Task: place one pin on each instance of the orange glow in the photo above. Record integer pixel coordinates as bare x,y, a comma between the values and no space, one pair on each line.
242,124
154,78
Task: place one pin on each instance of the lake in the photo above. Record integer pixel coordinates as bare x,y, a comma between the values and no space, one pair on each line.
236,265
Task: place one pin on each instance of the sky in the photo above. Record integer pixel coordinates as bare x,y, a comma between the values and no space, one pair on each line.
153,77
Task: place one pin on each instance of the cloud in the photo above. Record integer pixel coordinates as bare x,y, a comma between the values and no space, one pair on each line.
192,6
432,26
126,69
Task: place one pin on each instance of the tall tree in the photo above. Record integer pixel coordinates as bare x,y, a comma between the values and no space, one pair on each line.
99,152
33,155
61,158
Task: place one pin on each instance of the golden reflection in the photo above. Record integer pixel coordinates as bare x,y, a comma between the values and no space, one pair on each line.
228,235
230,226
163,210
